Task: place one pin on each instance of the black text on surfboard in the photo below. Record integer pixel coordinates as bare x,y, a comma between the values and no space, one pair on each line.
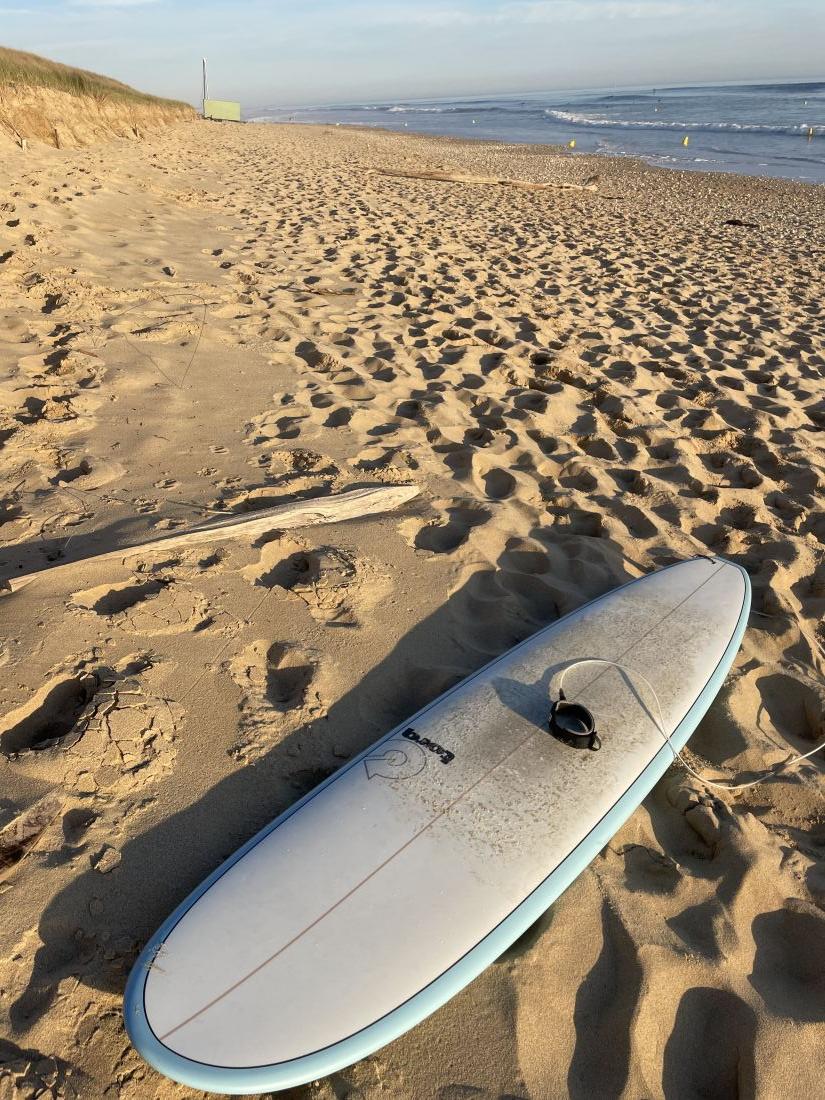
446,756
403,759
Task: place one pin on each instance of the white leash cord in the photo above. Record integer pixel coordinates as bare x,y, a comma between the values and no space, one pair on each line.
660,725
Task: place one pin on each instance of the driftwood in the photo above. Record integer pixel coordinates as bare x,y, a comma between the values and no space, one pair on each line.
23,833
283,517
458,177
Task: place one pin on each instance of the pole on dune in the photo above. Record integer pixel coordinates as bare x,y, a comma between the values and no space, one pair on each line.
205,89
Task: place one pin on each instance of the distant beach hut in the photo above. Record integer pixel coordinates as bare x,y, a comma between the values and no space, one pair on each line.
222,110
219,110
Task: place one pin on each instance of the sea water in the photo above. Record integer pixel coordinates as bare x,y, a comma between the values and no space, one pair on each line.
755,129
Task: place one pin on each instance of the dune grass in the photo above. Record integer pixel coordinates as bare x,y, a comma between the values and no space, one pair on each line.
18,68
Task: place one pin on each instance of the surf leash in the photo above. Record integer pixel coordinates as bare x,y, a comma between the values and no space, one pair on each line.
587,730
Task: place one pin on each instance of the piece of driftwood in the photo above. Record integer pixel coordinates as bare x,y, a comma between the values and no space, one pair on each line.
23,833
458,177
283,517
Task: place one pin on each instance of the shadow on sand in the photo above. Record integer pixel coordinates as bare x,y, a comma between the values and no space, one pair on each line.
93,929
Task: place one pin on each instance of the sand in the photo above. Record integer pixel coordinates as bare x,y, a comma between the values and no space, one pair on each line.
586,380
47,115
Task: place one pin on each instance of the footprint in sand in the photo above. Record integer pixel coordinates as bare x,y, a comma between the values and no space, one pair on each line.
577,475
52,717
273,425
532,401
336,588
547,444
75,367
319,399
395,462
36,1073
478,437
452,531
570,520
692,1063
489,615
525,556
318,360
85,472
339,418
104,724
278,693
300,461
493,481
633,481
147,607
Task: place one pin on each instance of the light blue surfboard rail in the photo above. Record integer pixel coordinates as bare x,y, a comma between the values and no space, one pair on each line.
242,1081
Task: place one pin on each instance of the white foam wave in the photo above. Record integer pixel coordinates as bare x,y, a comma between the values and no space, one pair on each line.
578,119
414,110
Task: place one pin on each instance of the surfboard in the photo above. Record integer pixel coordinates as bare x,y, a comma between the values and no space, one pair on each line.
393,884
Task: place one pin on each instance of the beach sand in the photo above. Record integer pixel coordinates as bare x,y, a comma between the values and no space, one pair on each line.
586,380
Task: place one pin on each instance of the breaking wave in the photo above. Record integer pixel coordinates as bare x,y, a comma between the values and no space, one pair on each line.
577,119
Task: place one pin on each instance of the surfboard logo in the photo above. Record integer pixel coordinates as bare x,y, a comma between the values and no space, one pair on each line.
396,760
445,755
404,759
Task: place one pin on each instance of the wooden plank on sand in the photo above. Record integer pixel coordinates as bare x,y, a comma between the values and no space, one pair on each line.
458,177
283,517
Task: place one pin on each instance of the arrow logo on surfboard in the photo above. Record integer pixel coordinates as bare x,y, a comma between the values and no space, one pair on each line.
396,760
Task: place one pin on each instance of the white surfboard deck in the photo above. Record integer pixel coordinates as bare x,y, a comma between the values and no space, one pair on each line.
398,880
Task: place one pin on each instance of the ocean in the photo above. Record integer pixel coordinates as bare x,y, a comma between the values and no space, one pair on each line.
753,129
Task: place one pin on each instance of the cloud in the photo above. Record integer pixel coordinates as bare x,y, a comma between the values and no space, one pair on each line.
524,12
110,3
563,11
410,15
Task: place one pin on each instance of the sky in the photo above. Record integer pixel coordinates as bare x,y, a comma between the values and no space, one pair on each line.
301,52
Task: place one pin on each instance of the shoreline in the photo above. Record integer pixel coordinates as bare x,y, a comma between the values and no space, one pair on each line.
635,160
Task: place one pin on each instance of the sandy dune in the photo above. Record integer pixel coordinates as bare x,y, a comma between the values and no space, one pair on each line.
585,381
